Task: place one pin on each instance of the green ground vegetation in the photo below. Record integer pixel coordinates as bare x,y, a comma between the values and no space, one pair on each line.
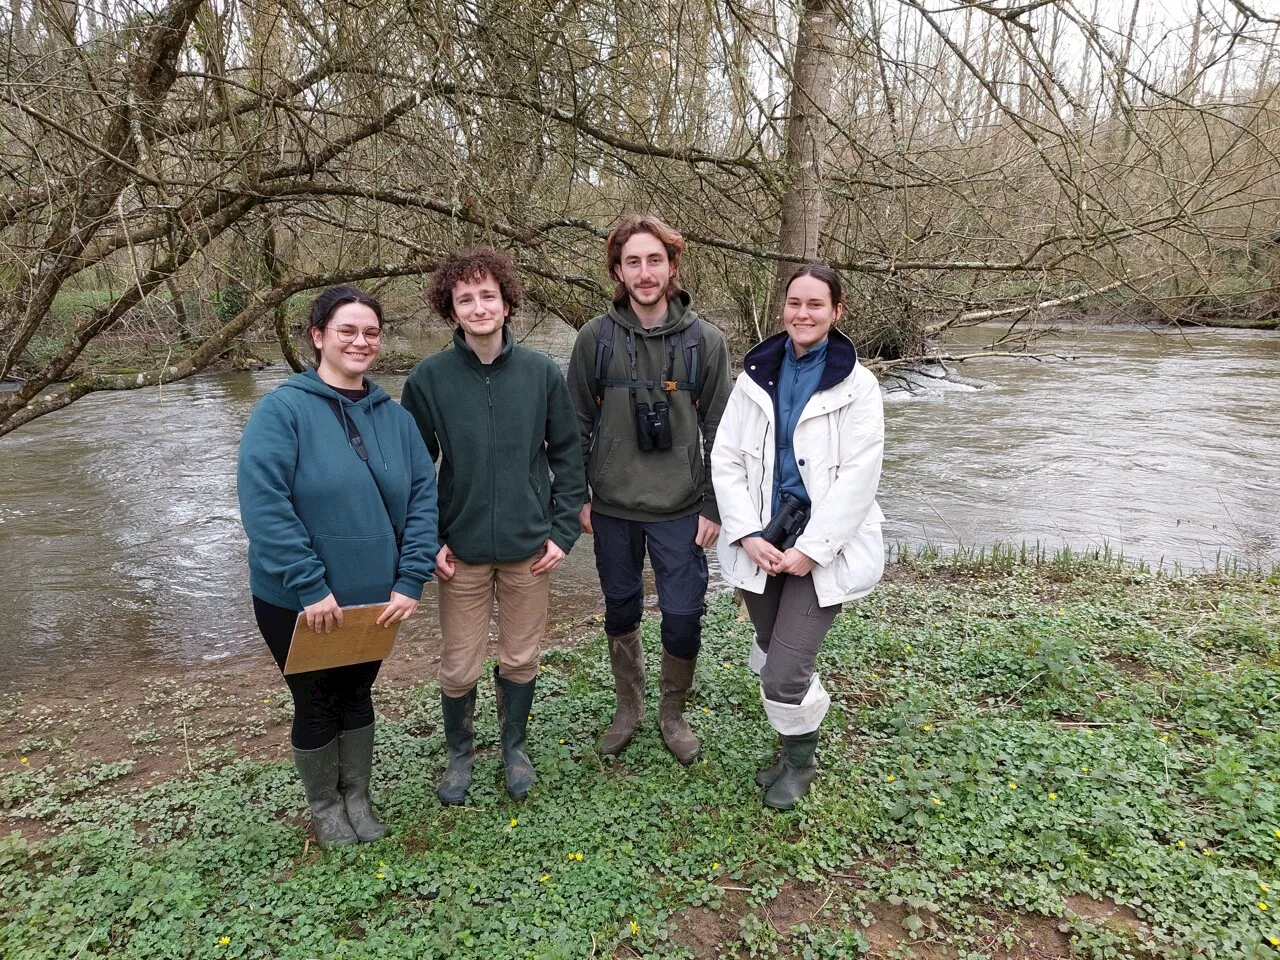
1015,741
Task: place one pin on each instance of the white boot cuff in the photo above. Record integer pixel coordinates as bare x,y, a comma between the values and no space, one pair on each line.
793,719
756,661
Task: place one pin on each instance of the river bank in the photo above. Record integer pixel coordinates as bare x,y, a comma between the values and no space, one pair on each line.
1024,760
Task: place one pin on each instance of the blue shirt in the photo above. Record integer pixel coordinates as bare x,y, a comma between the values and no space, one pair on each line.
797,382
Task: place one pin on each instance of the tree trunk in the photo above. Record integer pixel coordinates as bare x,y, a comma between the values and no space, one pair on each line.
802,206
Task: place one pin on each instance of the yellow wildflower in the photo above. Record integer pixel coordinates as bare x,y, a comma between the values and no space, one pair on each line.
1262,905
729,843
715,866
223,941
635,927
544,878
727,667
562,739
1053,796
1182,844
891,778
936,801
381,876
24,760
928,727
382,863
514,821
542,668
1084,769
1013,786
266,699
1207,853
706,709
1262,886
1274,941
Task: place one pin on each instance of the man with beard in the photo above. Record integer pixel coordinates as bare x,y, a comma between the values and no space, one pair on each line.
649,379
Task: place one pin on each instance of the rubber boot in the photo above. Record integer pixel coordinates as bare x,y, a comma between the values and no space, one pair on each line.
677,679
798,770
460,739
319,772
515,700
766,777
355,765
626,656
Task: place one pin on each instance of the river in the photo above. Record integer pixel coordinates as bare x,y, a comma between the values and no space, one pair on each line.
121,547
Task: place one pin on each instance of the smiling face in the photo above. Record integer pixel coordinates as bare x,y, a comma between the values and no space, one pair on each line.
344,364
478,307
645,270
808,313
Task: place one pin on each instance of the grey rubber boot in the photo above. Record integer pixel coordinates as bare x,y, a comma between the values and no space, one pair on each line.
798,770
319,772
626,657
515,700
766,777
460,738
677,679
355,766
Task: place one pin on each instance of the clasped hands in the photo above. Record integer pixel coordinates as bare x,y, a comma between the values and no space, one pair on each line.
774,561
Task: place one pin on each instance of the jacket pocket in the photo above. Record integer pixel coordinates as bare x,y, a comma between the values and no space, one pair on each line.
358,569
602,462
859,566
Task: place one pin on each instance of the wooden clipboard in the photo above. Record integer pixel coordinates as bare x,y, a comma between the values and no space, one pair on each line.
358,640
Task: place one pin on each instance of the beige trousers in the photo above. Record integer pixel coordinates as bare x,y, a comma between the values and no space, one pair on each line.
466,611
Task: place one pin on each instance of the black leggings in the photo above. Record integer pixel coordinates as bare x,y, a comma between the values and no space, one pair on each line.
325,702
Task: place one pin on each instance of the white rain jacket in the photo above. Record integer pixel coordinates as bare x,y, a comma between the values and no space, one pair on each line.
839,445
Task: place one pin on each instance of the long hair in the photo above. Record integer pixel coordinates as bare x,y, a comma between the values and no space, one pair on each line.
627,228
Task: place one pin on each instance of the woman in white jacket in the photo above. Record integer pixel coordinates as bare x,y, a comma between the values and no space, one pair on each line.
800,444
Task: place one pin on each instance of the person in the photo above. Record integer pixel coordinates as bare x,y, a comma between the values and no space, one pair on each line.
795,466
498,418
650,379
338,499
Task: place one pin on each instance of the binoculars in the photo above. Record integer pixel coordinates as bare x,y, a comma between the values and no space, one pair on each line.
653,425
788,523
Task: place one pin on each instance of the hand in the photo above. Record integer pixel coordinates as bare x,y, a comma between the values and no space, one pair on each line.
584,518
445,563
762,553
550,559
708,531
323,614
796,563
399,609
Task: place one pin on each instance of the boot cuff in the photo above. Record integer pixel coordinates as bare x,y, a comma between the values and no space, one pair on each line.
793,719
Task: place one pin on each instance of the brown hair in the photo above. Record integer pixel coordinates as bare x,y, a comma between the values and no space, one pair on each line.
471,265
328,301
819,271
627,228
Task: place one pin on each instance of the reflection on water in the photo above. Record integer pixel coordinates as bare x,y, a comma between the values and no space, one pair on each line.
120,542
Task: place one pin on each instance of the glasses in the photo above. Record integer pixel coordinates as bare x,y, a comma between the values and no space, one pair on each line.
349,334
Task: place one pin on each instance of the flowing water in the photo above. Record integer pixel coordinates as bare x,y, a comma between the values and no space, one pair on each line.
121,547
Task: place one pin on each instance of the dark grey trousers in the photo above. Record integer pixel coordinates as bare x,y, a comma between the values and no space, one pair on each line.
790,627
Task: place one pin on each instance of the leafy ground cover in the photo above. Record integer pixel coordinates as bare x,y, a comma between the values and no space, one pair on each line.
1027,758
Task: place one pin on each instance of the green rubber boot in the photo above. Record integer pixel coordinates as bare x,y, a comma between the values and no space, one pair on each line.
355,766
766,777
515,700
798,770
460,739
319,772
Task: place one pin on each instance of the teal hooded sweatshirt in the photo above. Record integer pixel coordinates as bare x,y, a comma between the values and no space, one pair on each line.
312,510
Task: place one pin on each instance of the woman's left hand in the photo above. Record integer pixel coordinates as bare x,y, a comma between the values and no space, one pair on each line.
399,608
796,563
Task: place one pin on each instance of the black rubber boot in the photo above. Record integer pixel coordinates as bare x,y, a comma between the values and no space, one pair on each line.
798,770
460,738
355,766
766,777
626,657
319,772
515,700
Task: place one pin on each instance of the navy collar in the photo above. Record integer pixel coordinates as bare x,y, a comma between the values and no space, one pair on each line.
763,362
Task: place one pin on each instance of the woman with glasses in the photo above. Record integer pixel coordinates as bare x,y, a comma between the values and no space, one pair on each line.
338,498
795,465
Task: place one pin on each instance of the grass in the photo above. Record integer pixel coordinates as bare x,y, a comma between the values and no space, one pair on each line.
1079,757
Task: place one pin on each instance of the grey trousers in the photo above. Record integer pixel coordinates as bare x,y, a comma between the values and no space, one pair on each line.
790,627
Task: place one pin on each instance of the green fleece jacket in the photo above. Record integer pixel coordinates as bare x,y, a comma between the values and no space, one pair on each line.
658,484
510,473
